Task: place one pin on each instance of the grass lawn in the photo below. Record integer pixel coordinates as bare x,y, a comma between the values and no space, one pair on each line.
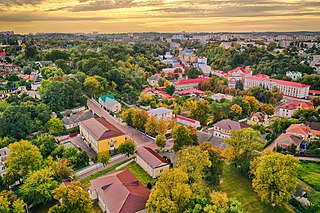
310,174
139,173
236,185
85,182
96,208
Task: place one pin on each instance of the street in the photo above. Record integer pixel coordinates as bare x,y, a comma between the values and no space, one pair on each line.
139,138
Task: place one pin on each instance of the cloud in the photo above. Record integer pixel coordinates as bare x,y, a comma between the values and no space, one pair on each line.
20,2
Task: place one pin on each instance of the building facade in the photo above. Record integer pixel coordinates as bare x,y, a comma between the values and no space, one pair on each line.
109,104
223,128
238,74
188,84
161,113
287,110
4,152
288,88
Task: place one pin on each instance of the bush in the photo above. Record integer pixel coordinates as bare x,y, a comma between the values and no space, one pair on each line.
317,151
149,185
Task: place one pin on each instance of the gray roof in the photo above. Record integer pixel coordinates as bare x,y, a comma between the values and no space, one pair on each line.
160,111
214,141
228,124
75,118
154,78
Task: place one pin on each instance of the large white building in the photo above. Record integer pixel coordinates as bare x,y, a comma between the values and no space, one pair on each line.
287,110
288,88
161,113
294,74
238,74
188,84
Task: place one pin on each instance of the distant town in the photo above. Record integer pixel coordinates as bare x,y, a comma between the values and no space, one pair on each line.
160,122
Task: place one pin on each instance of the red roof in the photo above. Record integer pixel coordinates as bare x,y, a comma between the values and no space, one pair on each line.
191,81
189,91
2,54
186,119
296,104
314,91
152,158
244,71
121,192
290,83
258,77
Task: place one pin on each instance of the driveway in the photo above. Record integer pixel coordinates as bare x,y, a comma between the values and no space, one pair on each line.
78,142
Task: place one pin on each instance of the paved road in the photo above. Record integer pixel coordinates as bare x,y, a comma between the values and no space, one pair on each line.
133,134
308,159
97,167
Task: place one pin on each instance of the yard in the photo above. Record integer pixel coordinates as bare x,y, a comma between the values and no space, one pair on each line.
310,174
139,173
236,185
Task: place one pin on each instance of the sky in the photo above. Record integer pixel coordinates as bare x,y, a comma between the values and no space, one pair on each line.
115,16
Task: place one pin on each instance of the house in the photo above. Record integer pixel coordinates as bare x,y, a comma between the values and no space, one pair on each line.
288,88
109,104
100,135
217,143
161,113
219,96
191,92
286,140
153,80
4,152
294,74
303,131
259,118
222,129
188,84
238,74
151,161
187,121
74,119
157,93
119,192
287,110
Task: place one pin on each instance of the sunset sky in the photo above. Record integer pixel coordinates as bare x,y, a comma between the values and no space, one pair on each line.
109,16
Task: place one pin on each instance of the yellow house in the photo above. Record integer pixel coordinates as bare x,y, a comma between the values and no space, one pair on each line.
100,135
259,118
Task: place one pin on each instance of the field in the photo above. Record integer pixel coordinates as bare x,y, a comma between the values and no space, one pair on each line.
310,174
139,173
236,185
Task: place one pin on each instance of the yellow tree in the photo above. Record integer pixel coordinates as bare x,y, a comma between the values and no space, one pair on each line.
139,119
252,102
236,109
275,177
162,126
193,161
170,192
267,108
151,125
127,116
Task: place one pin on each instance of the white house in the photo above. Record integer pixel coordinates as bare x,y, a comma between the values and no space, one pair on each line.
187,121
294,74
161,113
287,110
109,104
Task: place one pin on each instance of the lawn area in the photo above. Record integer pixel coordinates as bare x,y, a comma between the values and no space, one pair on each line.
310,174
236,185
96,208
85,182
139,173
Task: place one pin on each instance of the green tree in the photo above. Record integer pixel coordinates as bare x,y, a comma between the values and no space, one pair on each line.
267,108
170,192
46,144
55,125
151,125
23,158
315,101
38,186
181,137
200,111
193,161
127,148
61,169
252,102
11,203
51,72
139,119
212,173
68,202
241,147
16,122
104,158
170,89
275,177
161,141
92,86
194,72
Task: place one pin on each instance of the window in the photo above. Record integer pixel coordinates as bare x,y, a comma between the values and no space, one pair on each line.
161,170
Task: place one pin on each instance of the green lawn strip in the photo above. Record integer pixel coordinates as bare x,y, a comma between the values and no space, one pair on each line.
310,174
139,173
85,182
238,186
313,195
96,208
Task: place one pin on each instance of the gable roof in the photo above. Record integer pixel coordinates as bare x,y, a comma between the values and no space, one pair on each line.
217,143
244,71
108,101
295,104
121,192
288,139
228,124
260,115
190,81
75,118
100,129
103,97
299,129
152,158
160,111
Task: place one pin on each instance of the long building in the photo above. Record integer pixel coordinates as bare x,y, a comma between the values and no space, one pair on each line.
288,88
188,84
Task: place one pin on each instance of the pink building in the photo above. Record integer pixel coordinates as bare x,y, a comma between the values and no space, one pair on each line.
188,84
288,88
238,74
